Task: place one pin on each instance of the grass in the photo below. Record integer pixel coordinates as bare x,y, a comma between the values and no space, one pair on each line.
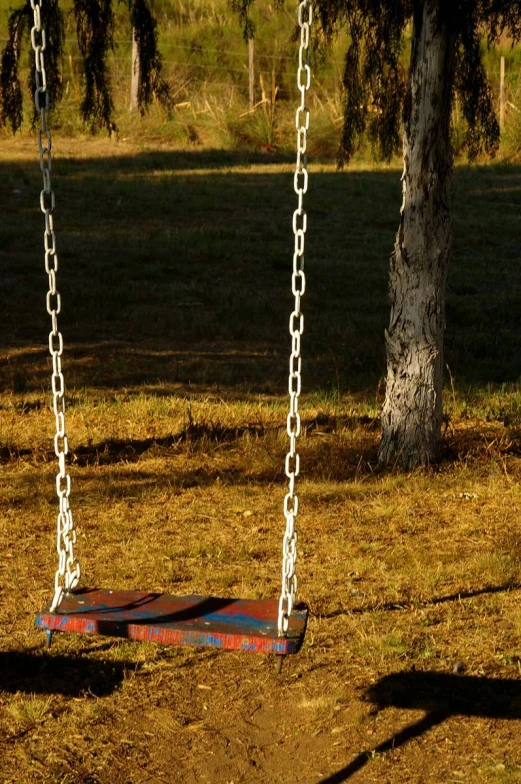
28,712
174,272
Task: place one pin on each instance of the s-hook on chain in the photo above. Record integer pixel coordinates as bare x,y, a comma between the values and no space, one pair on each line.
296,325
68,572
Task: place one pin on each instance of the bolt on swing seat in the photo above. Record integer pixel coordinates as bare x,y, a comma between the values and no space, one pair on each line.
257,625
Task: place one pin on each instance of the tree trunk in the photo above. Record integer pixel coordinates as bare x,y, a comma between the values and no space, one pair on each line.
412,411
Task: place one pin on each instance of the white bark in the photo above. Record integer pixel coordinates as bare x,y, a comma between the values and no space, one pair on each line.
412,411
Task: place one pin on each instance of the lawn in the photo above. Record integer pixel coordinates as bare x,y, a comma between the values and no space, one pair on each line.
175,277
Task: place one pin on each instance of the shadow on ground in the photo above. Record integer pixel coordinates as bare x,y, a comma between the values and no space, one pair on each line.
400,606
440,696
72,676
179,263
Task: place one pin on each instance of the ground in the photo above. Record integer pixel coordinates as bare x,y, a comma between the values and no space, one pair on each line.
174,275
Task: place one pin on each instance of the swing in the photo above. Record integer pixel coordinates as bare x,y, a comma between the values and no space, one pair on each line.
259,625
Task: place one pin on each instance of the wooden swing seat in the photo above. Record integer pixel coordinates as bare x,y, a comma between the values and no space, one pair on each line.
203,621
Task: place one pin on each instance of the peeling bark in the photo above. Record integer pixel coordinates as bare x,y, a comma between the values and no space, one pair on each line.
412,411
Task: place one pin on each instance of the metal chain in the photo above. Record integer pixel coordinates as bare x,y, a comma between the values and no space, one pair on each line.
68,572
296,325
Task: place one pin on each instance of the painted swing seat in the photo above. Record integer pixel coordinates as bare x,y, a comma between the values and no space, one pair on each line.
203,621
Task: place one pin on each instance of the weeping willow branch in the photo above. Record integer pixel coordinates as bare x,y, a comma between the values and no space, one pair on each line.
475,95
374,82
242,8
151,82
95,32
18,35
11,97
55,35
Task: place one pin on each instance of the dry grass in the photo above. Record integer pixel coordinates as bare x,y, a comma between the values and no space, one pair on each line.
178,486
401,573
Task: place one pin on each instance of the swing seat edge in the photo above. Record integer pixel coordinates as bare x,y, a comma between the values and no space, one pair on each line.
248,625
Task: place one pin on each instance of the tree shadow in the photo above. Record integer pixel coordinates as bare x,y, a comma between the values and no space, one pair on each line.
440,696
452,597
202,436
72,676
162,248
164,255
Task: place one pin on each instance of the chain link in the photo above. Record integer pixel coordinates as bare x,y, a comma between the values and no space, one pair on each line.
296,325
68,572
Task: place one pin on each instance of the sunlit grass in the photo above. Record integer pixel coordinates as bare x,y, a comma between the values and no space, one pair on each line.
27,712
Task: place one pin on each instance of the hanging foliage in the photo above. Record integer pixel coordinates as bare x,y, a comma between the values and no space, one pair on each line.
20,24
242,7
375,86
95,33
151,82
11,99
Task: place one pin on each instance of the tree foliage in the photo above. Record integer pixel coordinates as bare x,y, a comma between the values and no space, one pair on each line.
375,84
19,29
242,7
94,21
151,82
